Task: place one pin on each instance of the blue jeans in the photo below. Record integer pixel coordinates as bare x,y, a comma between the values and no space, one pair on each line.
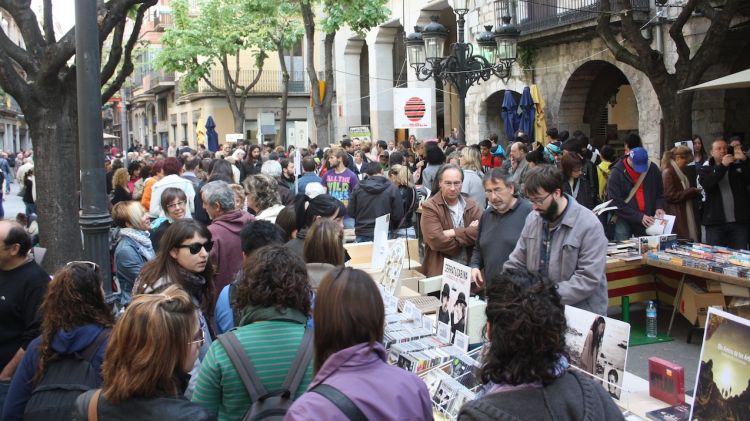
4,387
732,235
408,233
348,223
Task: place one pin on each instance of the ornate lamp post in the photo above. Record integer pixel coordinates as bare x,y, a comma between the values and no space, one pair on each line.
462,68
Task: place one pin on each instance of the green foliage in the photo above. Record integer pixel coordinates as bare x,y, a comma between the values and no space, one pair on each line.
221,29
526,57
359,15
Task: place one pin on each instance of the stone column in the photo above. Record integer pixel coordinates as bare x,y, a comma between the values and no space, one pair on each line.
381,85
348,88
18,135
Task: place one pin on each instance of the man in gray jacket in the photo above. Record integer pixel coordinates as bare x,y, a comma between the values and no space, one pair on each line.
564,241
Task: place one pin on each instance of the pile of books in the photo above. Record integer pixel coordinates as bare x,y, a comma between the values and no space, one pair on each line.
709,258
454,383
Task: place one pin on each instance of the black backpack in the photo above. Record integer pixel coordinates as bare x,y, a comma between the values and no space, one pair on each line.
65,378
268,405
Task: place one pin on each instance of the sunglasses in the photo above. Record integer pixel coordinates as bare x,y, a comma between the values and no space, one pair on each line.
195,248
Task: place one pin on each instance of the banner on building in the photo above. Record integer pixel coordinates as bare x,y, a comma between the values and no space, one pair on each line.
412,108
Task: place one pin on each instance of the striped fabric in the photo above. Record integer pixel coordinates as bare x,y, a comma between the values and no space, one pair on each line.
271,346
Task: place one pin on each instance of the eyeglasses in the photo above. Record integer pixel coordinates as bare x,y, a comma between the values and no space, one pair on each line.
87,263
451,184
200,339
537,201
176,204
195,248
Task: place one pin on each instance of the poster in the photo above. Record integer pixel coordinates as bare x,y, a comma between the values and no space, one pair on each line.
394,262
359,132
722,387
599,346
412,108
380,241
454,296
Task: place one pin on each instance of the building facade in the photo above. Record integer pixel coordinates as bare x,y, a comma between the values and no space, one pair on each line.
14,132
583,86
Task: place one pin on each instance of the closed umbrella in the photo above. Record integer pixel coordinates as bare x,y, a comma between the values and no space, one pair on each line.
211,135
510,115
526,121
540,123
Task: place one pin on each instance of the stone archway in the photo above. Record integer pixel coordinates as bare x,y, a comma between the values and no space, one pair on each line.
598,100
490,118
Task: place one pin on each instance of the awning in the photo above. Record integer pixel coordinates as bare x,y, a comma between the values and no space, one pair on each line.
733,81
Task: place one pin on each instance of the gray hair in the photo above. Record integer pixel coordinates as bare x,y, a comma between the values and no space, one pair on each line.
271,168
219,192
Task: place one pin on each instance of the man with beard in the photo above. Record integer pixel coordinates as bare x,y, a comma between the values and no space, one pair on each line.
563,241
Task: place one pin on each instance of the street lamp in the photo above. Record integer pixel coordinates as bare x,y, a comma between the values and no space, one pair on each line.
462,68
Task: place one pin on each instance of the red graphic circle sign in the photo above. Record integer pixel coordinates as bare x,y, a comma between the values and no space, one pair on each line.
414,109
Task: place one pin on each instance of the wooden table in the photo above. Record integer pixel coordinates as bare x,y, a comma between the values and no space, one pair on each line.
685,271
635,397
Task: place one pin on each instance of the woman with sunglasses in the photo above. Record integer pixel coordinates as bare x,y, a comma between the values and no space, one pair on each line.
349,356
174,203
75,319
274,295
183,260
133,247
145,370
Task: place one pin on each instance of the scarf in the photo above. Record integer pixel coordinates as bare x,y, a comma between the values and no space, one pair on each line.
156,223
194,283
640,196
558,370
142,240
692,231
252,314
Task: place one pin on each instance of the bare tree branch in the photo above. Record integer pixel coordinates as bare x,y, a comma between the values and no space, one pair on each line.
604,29
127,64
12,82
115,53
20,11
708,53
49,28
18,54
675,32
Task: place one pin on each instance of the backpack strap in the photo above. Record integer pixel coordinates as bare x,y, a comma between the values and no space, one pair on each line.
91,408
88,353
243,365
300,363
341,401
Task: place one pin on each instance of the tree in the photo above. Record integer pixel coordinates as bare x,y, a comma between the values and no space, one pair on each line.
691,64
219,34
284,29
360,16
42,80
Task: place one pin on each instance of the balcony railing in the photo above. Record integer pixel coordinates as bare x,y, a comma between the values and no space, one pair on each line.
269,83
541,15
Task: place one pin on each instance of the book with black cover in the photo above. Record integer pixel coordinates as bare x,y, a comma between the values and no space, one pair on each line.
679,412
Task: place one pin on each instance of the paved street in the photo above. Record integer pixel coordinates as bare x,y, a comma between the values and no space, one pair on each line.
12,203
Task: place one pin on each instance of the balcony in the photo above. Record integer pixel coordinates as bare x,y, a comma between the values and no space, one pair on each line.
162,21
270,83
542,15
157,81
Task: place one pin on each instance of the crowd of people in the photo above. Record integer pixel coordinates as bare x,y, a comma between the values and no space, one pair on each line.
235,298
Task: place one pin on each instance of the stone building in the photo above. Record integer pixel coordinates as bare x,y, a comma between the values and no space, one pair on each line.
14,132
583,86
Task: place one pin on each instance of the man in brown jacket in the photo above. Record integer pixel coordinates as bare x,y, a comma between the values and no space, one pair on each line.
449,222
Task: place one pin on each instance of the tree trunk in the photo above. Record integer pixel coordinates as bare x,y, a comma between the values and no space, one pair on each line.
321,127
677,117
53,126
284,93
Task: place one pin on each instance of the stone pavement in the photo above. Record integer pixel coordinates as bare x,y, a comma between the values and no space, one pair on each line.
12,203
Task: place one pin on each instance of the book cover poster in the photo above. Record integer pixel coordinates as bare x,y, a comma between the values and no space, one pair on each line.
454,296
394,262
599,346
722,389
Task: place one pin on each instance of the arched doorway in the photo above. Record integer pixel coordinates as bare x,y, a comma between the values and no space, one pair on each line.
599,101
492,110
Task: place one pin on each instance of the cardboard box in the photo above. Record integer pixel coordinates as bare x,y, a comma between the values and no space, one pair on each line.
695,301
410,278
731,290
713,286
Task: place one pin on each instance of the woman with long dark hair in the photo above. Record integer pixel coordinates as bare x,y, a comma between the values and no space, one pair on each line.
183,260
591,346
74,320
323,250
349,356
308,211
526,373
153,346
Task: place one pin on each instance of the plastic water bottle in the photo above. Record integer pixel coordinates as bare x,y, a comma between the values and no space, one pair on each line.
651,319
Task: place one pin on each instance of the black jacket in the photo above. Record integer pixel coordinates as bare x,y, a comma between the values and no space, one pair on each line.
585,196
142,409
374,197
619,185
571,397
411,202
709,177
